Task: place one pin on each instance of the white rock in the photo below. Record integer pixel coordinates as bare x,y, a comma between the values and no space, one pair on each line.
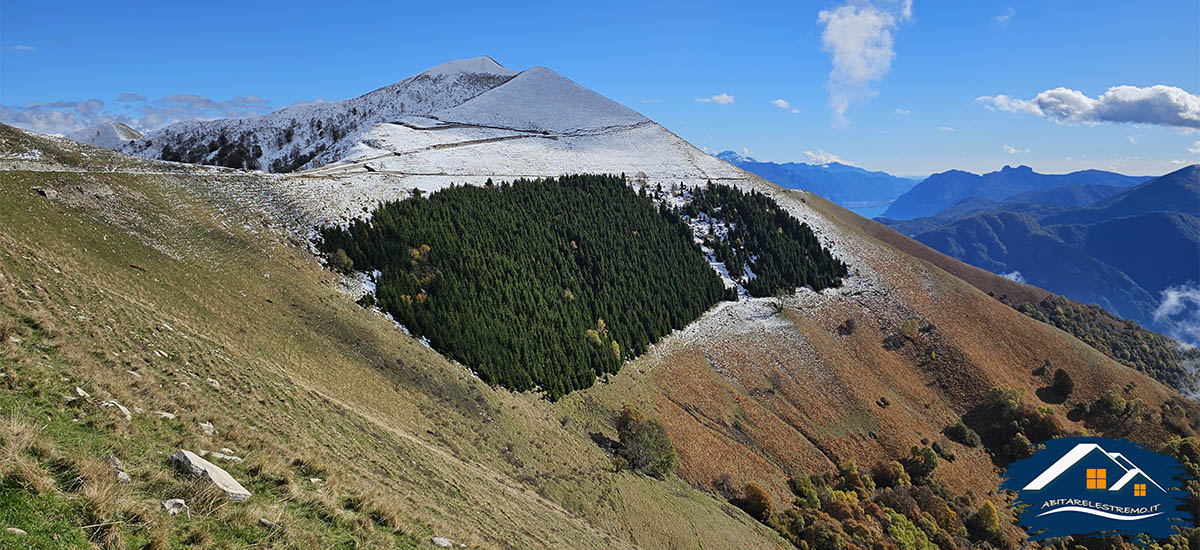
124,412
114,462
123,477
213,382
227,458
315,480
165,414
208,428
442,541
176,506
79,391
192,465
15,531
133,374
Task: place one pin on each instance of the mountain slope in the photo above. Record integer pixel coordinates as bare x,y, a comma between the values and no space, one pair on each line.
940,191
761,391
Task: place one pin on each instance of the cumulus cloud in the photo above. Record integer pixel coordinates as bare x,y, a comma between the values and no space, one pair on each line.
821,157
903,112
63,117
1001,21
858,38
22,48
1158,105
782,104
1013,150
719,99
1179,312
651,100
947,128
1194,148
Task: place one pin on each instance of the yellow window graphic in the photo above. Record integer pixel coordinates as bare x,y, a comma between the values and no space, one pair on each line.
1139,489
1097,478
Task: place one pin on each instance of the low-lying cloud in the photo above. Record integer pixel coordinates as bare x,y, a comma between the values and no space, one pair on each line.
1158,105
821,157
1179,313
135,110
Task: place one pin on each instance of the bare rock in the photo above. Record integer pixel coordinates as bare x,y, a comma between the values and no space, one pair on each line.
208,428
442,542
268,524
79,391
45,192
189,464
15,531
177,506
124,411
114,462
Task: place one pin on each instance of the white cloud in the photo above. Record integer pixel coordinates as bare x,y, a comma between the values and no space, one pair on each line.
63,117
1132,140
796,111
746,152
947,129
651,100
1194,148
1013,150
1001,21
719,99
821,157
782,104
22,48
1179,312
858,37
903,112
1015,277
1159,105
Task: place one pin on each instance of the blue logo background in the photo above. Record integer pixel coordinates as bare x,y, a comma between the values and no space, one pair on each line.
1096,485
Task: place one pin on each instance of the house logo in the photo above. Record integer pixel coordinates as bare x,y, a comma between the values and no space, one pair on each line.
1095,485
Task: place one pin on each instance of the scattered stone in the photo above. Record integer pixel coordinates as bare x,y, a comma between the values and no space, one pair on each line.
176,506
208,428
45,192
133,374
270,525
123,477
165,414
316,480
114,462
14,340
227,450
442,541
138,410
124,412
227,458
212,382
15,531
190,464
161,353
79,391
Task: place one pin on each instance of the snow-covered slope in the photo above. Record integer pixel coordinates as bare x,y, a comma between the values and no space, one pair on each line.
109,135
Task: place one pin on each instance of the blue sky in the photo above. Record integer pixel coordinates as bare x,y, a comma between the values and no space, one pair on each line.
910,106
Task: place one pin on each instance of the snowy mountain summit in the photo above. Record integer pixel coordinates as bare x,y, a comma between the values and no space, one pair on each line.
459,122
477,97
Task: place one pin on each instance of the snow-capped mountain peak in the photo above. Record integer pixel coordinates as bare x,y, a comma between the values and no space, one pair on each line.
475,65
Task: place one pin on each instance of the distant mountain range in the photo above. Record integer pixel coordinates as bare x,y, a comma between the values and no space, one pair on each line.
848,186
1118,250
941,191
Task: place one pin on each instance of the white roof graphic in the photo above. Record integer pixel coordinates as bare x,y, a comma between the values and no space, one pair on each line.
1068,460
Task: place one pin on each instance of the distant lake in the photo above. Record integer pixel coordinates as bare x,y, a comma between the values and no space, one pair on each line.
869,211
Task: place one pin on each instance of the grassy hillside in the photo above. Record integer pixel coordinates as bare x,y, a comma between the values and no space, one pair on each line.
154,290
